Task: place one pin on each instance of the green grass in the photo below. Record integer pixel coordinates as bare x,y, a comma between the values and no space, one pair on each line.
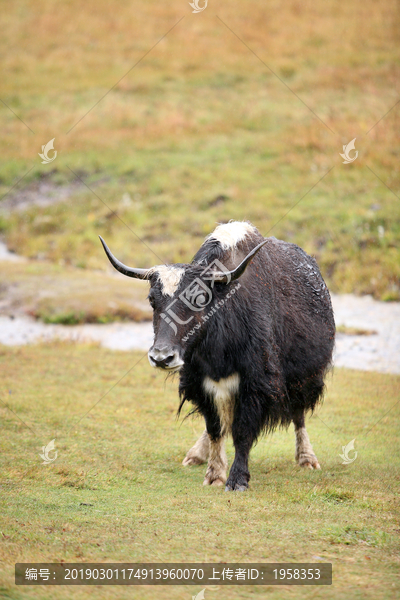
201,131
117,491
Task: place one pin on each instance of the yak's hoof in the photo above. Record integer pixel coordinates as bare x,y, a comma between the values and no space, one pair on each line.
216,482
237,484
309,462
312,466
192,460
236,488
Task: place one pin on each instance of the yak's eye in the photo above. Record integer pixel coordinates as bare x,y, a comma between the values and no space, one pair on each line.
150,298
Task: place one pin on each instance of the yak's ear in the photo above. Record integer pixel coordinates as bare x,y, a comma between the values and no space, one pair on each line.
128,271
236,273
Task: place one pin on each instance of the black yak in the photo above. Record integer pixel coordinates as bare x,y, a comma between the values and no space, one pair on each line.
249,326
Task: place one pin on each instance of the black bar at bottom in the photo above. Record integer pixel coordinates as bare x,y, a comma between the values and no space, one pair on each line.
173,574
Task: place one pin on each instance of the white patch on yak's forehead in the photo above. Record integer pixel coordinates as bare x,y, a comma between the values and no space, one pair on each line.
230,234
169,277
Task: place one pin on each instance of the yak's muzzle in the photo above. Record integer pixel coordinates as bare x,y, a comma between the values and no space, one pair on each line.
165,358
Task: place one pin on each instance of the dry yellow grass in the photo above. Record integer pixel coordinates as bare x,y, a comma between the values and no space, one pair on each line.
340,58
249,101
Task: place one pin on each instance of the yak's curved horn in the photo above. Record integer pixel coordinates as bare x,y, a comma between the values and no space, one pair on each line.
136,273
240,269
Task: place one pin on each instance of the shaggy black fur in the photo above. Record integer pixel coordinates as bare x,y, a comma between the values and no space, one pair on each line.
276,331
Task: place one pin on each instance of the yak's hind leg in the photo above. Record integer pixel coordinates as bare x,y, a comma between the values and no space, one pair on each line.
214,450
304,452
198,454
217,463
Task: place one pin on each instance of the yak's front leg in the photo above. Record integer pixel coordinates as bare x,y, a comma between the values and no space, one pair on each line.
239,474
198,454
244,433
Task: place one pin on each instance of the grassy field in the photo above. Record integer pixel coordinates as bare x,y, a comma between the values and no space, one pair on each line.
165,123
239,112
117,490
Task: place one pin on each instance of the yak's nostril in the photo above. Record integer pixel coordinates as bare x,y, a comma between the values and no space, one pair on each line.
161,358
165,361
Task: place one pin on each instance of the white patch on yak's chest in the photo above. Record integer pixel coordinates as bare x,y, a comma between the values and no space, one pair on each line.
223,393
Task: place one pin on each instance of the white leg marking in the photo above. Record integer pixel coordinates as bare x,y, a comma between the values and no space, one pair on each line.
223,393
198,454
304,452
217,464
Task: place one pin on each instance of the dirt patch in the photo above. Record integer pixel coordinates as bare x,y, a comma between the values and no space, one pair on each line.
45,192
39,193
65,295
